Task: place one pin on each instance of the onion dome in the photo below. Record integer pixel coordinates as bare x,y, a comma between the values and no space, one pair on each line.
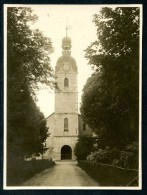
67,59
66,41
66,44
66,56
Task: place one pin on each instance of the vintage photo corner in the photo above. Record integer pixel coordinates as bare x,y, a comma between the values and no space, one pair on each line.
72,92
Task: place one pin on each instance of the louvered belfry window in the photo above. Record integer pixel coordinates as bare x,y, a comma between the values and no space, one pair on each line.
66,82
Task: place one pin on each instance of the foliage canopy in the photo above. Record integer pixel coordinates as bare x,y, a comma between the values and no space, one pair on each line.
28,64
110,101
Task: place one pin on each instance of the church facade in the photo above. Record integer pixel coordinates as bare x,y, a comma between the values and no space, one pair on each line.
65,124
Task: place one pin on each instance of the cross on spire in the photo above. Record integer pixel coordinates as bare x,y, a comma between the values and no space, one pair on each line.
66,30
67,27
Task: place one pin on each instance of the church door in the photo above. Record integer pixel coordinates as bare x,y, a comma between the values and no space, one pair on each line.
66,152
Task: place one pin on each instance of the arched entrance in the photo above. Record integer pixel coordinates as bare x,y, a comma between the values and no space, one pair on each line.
66,152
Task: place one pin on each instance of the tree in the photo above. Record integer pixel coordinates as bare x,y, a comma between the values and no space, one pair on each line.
110,102
84,146
28,50
28,64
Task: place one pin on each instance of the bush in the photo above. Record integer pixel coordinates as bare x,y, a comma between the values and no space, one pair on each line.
127,158
104,155
84,146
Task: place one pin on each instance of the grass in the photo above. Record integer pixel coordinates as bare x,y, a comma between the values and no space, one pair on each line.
19,170
109,175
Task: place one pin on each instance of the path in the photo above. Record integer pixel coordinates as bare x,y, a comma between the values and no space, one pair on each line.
64,173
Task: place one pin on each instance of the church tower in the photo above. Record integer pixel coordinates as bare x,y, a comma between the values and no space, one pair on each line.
66,104
65,124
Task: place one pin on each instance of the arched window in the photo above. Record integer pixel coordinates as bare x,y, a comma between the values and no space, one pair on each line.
66,82
66,124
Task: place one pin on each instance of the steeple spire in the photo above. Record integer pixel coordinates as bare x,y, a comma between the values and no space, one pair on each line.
66,42
67,27
66,30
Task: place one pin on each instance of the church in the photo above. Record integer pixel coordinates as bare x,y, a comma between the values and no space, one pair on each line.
65,124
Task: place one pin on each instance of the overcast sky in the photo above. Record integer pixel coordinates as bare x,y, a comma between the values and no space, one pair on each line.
52,21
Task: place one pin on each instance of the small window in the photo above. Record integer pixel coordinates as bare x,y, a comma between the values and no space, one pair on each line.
66,124
84,127
66,82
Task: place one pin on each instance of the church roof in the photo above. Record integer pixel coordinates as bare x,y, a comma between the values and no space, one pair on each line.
50,115
63,59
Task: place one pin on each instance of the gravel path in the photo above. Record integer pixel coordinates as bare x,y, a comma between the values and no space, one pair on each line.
64,173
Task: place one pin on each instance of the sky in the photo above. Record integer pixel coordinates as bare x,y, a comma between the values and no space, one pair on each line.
52,20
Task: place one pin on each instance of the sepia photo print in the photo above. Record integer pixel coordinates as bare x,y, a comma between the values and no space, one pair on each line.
72,96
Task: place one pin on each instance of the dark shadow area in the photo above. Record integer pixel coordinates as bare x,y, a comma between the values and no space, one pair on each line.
109,175
20,171
66,152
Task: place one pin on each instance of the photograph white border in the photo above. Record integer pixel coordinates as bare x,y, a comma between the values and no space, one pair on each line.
5,187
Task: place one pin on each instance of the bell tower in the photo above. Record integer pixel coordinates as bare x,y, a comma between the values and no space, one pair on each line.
66,96
65,124
66,102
